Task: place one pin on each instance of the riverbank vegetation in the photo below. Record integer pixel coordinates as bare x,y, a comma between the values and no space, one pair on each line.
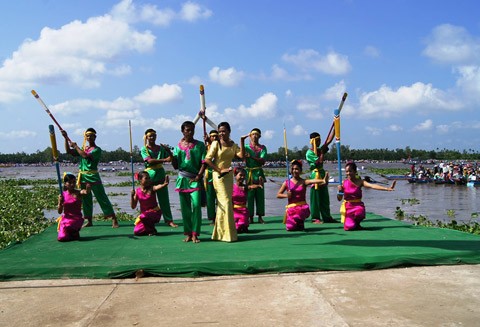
472,226
406,154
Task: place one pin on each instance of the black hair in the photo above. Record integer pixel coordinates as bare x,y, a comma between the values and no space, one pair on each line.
187,123
90,129
314,135
256,130
351,164
226,125
68,176
150,130
236,170
297,163
142,174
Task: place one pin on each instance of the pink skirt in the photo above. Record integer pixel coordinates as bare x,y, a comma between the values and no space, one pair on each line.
296,217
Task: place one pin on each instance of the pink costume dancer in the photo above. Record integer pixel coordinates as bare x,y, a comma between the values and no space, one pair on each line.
297,209
352,209
150,213
240,210
71,221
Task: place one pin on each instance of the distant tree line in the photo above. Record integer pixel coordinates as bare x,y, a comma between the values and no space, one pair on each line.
119,154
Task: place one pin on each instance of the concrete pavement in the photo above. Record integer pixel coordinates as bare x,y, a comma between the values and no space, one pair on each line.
418,296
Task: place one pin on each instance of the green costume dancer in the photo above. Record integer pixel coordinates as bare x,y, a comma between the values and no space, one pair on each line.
254,161
154,157
319,197
88,174
188,158
209,189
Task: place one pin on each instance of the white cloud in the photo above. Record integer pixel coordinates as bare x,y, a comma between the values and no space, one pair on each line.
76,53
442,129
278,73
264,107
373,130
115,118
371,51
331,63
268,134
335,92
192,12
469,81
14,135
308,105
298,130
159,94
419,97
82,105
226,77
395,128
452,44
173,124
427,125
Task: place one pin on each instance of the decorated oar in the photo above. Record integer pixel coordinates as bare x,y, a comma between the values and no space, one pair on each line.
287,164
336,121
202,113
131,155
339,110
35,94
55,156
203,108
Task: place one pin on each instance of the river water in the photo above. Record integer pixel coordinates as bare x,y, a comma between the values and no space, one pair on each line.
435,202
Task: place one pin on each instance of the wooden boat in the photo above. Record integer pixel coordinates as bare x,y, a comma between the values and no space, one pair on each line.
473,183
395,177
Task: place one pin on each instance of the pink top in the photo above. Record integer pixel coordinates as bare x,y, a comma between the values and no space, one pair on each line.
72,206
148,201
298,192
239,195
351,191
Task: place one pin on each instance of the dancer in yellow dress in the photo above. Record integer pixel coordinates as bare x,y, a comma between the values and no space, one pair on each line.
219,158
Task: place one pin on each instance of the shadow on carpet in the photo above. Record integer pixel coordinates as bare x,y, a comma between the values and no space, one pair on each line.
104,252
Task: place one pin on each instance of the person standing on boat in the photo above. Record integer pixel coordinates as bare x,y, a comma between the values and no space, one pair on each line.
88,174
319,197
353,209
255,154
188,158
154,156
219,158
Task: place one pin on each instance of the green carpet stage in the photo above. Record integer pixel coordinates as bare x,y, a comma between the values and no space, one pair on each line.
104,252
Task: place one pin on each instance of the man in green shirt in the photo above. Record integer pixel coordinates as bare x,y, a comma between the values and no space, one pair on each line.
88,174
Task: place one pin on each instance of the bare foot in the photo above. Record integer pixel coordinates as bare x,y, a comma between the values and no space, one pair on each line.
172,224
260,220
187,239
195,239
139,274
114,223
88,224
317,221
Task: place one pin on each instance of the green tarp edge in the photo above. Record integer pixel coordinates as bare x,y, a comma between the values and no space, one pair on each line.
104,252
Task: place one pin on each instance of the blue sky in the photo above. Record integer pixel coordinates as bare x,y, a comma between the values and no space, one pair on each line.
411,69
